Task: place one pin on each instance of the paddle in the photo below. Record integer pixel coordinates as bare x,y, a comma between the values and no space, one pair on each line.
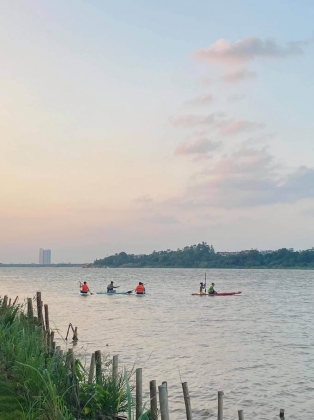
205,282
88,289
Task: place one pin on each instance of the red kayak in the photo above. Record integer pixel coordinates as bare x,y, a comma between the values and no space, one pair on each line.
217,294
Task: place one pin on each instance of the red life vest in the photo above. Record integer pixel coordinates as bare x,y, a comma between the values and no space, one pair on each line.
140,288
84,288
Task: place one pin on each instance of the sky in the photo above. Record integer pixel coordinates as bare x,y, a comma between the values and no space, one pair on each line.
148,125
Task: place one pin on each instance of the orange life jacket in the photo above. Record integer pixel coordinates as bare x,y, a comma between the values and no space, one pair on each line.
140,288
84,288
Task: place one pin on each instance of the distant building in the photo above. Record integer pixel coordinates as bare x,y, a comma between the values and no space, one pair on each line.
44,256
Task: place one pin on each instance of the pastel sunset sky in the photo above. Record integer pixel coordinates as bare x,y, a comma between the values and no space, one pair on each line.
146,125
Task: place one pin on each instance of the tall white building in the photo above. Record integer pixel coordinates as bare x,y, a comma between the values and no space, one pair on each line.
44,256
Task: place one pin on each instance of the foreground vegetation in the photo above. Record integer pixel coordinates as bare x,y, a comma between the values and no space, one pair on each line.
37,383
204,256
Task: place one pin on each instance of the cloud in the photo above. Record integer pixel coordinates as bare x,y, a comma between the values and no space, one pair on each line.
200,146
217,121
201,100
247,49
196,120
247,178
238,76
233,126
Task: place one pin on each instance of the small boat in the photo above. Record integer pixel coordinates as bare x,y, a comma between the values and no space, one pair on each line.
217,294
113,293
85,293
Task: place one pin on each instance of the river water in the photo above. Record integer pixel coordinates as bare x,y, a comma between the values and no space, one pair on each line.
257,347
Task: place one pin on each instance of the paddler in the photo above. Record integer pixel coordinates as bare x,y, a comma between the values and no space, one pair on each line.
140,289
84,287
211,290
202,287
111,287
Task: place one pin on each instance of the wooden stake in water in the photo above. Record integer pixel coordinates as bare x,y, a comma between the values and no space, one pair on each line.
115,366
91,369
282,414
98,367
46,317
5,301
220,405
30,312
163,402
139,388
15,300
39,309
187,401
75,337
241,415
153,400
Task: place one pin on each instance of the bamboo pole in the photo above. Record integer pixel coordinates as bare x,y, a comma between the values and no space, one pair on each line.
9,302
241,415
115,366
58,349
187,401
91,369
30,312
139,392
153,400
5,301
220,405
39,309
163,402
47,317
15,300
98,366
282,414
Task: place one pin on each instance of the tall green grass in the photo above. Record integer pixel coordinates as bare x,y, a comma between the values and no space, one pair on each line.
50,388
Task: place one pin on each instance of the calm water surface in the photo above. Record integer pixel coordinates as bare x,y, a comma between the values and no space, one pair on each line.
257,347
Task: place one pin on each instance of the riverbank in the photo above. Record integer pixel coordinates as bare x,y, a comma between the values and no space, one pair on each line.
41,382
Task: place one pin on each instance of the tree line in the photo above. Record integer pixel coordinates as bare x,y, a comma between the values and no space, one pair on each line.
204,256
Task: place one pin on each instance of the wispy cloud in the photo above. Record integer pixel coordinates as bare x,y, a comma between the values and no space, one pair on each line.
217,121
196,120
247,49
198,146
233,126
239,76
201,100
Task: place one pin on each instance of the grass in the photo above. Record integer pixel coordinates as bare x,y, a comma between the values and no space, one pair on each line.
10,404
51,386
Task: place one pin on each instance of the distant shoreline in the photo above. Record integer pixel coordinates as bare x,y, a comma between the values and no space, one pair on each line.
40,265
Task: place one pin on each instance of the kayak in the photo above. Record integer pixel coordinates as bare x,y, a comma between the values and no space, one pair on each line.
84,293
217,294
140,294
112,294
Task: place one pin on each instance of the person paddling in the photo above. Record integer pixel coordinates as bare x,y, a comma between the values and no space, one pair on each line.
111,287
202,287
140,289
84,288
211,290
